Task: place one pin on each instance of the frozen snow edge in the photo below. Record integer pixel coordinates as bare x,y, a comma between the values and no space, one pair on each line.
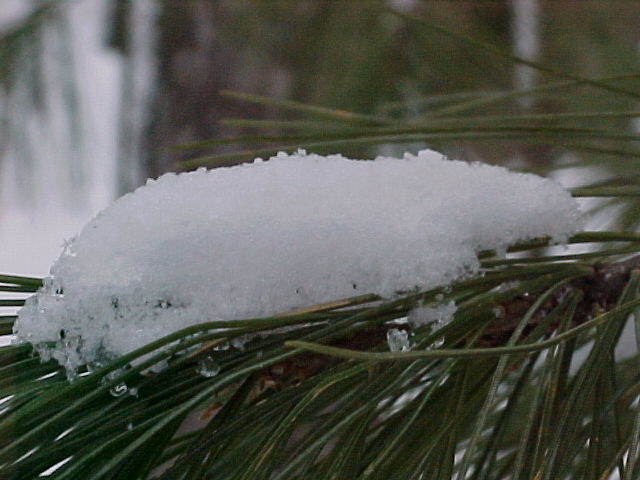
263,238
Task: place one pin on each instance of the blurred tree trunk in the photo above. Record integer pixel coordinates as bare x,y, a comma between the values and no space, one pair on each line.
195,64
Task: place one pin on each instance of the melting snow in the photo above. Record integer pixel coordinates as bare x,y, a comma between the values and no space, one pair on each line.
398,340
267,237
440,314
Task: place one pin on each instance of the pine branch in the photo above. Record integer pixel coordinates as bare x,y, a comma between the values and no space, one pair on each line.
599,292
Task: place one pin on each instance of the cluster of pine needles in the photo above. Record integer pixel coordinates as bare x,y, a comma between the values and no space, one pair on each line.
525,382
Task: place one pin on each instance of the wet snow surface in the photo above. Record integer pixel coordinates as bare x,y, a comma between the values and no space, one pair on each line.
263,238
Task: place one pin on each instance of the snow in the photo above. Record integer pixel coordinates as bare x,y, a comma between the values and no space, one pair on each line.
440,314
267,237
398,340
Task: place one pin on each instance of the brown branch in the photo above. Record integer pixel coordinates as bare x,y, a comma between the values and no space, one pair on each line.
600,291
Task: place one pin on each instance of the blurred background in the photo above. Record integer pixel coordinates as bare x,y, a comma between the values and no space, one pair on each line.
93,93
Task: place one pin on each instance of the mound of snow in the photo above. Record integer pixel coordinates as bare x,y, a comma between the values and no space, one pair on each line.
263,238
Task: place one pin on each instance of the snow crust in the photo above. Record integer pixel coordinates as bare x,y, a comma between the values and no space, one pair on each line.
263,238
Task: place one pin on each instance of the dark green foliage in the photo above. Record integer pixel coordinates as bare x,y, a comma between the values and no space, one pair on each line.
515,408
525,382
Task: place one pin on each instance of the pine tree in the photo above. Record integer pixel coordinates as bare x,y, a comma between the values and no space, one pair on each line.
526,382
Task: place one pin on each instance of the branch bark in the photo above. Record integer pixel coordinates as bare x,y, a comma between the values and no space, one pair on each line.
600,292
